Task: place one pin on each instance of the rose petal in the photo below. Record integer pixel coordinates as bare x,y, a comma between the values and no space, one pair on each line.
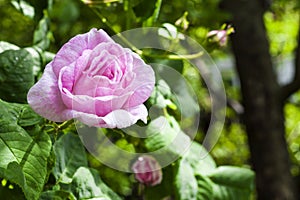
115,119
125,118
142,84
100,106
82,63
74,48
67,78
44,97
110,54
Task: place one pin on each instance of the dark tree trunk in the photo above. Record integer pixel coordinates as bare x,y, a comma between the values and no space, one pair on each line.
262,100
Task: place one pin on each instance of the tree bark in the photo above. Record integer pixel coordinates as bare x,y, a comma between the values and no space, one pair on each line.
262,100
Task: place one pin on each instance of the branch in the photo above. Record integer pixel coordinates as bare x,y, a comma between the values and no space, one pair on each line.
294,86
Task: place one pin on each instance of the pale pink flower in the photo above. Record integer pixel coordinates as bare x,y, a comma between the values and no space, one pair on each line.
95,80
220,36
147,170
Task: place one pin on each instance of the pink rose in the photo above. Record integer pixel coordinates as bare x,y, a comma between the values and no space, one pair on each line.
147,170
95,80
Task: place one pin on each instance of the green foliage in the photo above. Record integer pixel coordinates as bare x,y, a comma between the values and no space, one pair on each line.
24,7
42,35
185,182
13,21
16,75
205,165
232,183
118,181
73,177
67,161
232,146
86,184
282,26
292,113
161,95
164,135
144,9
200,179
7,46
24,159
56,195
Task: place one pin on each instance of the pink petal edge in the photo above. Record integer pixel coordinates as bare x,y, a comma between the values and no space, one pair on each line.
44,97
74,48
115,119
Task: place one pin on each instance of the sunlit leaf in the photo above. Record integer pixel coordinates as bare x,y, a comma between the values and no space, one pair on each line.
23,159
21,114
87,184
185,182
70,155
42,35
205,188
199,159
7,46
24,7
165,135
232,183
56,195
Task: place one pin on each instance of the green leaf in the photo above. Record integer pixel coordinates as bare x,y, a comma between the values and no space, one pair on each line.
42,36
56,195
7,46
200,160
205,188
23,160
87,184
70,155
38,58
185,182
182,93
233,176
232,183
125,145
118,181
24,7
16,75
15,174
27,117
168,31
161,95
22,114
165,135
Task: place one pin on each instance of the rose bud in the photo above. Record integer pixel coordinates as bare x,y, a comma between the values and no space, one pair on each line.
147,170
